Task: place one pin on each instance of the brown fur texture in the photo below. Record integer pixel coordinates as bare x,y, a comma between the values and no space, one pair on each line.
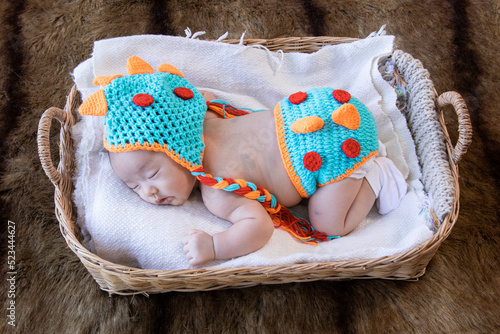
43,40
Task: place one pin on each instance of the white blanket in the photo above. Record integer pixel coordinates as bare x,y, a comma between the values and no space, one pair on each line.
125,230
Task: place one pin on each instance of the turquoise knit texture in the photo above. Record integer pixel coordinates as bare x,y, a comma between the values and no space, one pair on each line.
174,123
328,141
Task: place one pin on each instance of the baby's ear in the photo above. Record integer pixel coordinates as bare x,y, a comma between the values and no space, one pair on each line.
167,68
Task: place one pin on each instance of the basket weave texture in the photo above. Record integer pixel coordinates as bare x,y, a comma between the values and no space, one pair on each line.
437,155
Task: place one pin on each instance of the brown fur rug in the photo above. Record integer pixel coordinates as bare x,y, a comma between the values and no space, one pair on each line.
43,40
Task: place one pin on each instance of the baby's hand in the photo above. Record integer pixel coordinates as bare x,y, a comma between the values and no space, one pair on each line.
199,247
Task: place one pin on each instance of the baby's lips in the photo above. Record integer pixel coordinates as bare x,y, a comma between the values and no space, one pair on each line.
164,201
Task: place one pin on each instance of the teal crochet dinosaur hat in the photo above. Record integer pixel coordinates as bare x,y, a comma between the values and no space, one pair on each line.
145,110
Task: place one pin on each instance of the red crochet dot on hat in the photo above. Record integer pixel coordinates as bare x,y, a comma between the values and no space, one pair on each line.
312,161
341,95
297,98
142,100
184,93
351,148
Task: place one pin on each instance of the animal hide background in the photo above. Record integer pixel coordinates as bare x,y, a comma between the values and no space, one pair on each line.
43,40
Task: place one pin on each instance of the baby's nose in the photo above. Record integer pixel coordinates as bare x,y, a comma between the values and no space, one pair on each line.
150,191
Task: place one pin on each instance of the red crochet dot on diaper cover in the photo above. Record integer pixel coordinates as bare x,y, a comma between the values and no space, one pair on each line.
351,148
341,95
297,98
184,93
312,161
143,100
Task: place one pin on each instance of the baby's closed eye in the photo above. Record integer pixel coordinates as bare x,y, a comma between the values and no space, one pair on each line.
154,175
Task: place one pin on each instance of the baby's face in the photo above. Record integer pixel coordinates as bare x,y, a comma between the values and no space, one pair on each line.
154,176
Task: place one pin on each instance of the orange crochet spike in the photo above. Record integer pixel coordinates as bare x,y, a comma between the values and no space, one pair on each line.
167,68
105,80
307,124
347,115
94,105
136,65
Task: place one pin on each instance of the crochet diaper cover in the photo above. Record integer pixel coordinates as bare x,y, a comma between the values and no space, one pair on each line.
324,135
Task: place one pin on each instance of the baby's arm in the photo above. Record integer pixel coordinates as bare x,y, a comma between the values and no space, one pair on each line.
207,95
251,230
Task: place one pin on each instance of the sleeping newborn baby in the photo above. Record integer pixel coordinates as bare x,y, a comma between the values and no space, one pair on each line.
166,138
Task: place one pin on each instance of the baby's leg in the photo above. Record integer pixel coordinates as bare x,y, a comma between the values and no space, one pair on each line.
339,207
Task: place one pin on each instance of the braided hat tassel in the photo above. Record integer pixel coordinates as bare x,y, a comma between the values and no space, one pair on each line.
281,216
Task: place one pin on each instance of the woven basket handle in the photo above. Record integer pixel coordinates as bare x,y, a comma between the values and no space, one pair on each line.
66,118
464,124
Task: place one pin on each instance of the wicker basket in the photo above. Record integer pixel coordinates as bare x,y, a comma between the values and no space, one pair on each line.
124,280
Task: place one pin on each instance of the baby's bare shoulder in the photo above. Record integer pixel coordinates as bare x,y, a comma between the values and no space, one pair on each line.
224,204
219,202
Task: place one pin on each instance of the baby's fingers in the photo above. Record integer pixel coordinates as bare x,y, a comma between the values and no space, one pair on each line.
185,240
190,256
187,249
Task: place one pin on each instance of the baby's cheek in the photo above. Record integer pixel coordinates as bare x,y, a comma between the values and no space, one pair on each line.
147,199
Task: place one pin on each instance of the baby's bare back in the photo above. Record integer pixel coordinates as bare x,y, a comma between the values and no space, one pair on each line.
246,147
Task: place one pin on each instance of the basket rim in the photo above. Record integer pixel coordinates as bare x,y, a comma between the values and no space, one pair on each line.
69,226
